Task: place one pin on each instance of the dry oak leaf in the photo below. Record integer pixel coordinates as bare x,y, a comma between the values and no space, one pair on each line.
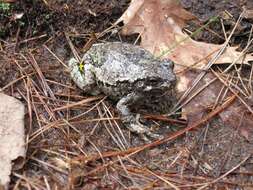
160,23
11,135
236,115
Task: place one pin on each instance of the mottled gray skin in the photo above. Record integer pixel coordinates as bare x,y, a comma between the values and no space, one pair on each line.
127,74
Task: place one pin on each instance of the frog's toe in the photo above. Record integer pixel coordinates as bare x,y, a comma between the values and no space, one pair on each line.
134,125
155,136
138,128
143,131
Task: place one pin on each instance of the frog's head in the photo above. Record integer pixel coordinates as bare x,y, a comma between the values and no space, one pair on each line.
162,78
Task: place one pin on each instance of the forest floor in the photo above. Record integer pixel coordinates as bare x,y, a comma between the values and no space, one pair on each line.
76,141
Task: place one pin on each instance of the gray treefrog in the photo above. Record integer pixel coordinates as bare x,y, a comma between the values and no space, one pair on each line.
129,75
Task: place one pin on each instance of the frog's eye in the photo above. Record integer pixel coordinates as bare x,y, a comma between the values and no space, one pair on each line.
153,81
140,84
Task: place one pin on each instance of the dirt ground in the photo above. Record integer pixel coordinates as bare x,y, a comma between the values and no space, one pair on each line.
76,141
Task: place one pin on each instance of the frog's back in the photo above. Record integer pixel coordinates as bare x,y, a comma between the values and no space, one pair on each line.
121,62
102,52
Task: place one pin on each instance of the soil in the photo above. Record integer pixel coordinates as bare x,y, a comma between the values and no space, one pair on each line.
71,143
229,11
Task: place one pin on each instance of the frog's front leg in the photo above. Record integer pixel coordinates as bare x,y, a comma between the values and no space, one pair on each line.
130,121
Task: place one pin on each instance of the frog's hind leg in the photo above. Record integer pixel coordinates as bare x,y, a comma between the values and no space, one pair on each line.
130,120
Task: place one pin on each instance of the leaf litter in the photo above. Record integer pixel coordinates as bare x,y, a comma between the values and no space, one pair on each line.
76,142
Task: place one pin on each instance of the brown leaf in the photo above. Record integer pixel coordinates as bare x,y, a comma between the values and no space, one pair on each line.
202,103
235,116
160,24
